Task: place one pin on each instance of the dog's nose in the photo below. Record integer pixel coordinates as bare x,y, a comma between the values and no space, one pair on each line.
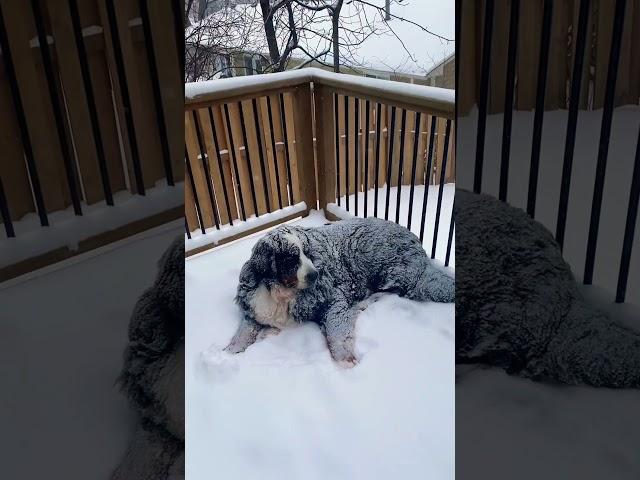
312,276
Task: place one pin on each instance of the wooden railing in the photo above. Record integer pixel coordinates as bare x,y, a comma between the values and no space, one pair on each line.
281,144
90,100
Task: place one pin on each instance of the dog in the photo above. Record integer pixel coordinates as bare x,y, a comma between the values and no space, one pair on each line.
323,275
518,306
152,375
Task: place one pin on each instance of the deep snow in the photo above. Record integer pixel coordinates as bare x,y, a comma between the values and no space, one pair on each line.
283,409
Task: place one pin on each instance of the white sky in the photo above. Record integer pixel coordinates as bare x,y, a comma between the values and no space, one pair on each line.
435,15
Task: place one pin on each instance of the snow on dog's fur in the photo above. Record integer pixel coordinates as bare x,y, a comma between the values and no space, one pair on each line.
323,274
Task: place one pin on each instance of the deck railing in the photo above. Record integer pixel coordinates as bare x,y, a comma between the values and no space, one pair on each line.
264,149
557,90
90,95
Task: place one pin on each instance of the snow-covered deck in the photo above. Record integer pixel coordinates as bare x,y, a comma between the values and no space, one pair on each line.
283,409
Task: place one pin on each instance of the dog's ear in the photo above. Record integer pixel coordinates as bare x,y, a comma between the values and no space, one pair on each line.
261,264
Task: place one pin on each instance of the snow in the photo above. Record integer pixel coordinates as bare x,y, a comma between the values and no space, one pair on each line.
622,148
509,427
227,87
213,236
283,409
448,194
62,334
68,230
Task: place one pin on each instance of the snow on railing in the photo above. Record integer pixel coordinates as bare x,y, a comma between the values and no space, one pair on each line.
260,144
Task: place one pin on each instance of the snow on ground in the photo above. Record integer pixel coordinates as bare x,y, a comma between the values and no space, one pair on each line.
283,409
448,195
67,229
509,427
63,330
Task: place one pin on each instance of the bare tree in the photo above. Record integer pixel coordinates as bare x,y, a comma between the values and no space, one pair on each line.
329,32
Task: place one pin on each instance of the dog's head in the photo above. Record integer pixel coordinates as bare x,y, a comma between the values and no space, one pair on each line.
282,259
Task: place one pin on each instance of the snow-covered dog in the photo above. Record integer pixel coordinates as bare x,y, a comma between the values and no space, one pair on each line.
324,274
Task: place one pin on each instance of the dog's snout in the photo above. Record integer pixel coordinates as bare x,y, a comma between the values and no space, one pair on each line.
312,276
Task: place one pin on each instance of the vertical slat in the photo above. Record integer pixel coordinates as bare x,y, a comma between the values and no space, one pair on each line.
556,92
572,120
222,175
292,129
498,58
326,126
366,158
91,101
629,229
283,122
543,63
4,212
449,239
219,136
414,158
232,152
377,168
390,161
276,168
530,27
259,141
157,95
346,151
76,105
194,191
605,134
134,85
65,148
441,190
199,182
356,135
204,162
186,226
467,59
337,142
169,58
482,100
95,41
508,98
13,169
247,154
302,115
18,105
606,12
403,128
212,157
426,187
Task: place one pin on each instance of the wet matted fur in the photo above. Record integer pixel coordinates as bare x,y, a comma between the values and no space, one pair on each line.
518,306
323,274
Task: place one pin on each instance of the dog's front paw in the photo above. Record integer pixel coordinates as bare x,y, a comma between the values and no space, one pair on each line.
233,348
348,362
344,358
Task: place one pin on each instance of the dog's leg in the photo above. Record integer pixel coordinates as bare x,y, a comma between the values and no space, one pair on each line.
246,335
339,329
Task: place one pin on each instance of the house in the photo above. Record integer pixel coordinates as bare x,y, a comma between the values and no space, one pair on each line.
443,74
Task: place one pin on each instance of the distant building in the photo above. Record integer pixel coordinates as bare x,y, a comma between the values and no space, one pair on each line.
443,74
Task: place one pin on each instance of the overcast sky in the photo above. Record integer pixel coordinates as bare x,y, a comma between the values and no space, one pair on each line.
435,15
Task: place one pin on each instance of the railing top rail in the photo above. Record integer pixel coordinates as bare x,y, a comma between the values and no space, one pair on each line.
438,101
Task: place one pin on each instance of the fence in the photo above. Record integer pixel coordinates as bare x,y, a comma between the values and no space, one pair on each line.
90,93
260,150
557,58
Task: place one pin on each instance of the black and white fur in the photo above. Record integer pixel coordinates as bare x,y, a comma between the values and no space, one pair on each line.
324,274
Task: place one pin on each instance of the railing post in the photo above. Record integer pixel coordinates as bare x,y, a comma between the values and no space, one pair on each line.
325,145
303,110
